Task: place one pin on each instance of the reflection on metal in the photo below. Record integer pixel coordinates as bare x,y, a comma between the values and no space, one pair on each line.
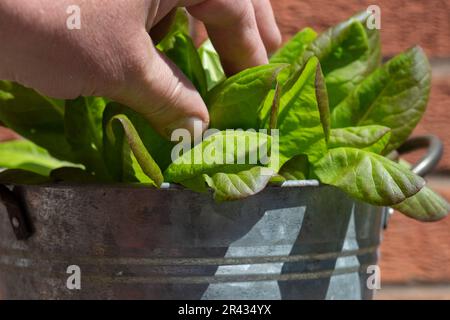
309,242
277,226
300,183
346,286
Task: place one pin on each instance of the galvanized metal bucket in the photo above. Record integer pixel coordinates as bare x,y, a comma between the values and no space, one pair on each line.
298,241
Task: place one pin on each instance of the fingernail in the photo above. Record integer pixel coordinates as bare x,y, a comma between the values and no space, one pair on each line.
194,125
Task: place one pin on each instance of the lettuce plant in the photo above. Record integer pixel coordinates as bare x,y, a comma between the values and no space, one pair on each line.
338,110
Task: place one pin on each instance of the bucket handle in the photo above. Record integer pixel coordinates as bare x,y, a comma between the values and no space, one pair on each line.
435,150
430,160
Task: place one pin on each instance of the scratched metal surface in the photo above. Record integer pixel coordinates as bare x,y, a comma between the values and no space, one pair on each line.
303,242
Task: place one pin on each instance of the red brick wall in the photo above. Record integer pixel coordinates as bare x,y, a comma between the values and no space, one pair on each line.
404,22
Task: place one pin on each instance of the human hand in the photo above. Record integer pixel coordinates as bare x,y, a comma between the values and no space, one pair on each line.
113,55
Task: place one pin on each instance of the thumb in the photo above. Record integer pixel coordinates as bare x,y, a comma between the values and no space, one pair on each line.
154,87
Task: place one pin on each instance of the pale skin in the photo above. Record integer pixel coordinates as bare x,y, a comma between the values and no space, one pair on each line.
114,55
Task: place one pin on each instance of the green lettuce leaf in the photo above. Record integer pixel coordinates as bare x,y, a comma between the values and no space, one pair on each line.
35,117
183,53
122,142
293,50
211,64
235,103
374,55
348,53
25,155
367,176
370,138
394,96
83,130
235,186
159,147
424,206
296,169
180,24
303,119
222,152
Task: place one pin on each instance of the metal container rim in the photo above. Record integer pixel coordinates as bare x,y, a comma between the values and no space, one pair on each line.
165,186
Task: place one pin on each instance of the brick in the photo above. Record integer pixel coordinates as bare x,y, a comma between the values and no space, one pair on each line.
404,23
413,292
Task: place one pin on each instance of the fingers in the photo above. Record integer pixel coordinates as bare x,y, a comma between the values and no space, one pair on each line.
267,25
233,29
243,31
158,90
